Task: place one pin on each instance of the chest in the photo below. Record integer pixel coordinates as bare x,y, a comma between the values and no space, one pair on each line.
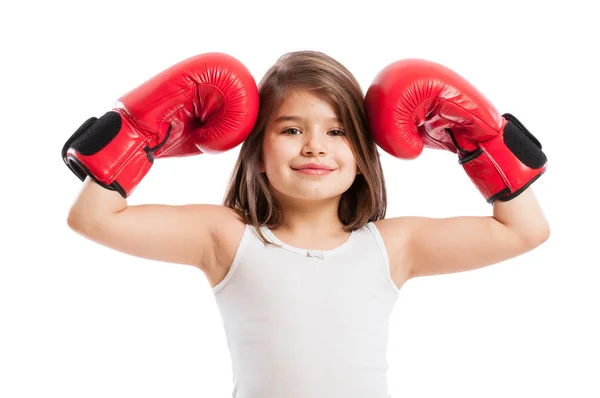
225,253
344,268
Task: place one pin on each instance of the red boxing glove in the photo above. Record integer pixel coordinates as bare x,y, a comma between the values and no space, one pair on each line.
414,103
207,103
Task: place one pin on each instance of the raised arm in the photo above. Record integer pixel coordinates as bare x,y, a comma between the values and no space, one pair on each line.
432,246
183,234
413,104
207,103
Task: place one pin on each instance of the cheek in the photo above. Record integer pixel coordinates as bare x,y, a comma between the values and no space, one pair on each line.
278,152
346,155
272,156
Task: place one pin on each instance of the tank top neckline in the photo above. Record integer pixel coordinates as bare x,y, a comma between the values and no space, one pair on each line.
321,254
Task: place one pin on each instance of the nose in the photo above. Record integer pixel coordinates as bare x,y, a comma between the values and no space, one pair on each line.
315,145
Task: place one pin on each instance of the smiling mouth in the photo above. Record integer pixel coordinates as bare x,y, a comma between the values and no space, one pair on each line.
313,171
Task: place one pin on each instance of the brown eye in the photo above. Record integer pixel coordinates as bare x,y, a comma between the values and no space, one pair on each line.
338,132
291,131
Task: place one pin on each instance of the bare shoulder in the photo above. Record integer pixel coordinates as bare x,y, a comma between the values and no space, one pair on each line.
396,228
396,234
227,233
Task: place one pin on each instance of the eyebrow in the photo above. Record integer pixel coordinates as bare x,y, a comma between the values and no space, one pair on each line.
297,119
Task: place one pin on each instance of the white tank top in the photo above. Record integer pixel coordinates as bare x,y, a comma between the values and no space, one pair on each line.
308,323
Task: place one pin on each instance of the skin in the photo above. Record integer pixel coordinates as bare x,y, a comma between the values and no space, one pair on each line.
305,129
206,236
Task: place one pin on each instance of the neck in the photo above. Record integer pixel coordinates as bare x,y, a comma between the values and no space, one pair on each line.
305,218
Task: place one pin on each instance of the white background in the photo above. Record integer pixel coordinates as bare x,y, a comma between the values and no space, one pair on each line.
80,320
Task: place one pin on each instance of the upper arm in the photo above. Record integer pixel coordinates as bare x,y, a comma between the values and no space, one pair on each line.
431,246
183,234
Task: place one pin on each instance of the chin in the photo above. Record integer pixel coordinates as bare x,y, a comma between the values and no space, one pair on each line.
315,195
309,192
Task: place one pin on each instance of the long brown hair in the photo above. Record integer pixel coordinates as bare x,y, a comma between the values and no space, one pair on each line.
249,193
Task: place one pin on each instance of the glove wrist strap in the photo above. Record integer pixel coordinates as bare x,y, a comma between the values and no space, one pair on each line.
111,151
503,167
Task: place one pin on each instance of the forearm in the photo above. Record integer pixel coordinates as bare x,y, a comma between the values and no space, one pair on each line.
523,215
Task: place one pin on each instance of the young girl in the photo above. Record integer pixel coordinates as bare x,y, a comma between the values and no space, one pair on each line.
304,267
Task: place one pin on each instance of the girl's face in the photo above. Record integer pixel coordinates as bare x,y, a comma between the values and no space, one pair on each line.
306,151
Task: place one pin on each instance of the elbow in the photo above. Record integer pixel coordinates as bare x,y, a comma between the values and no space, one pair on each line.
77,221
74,221
537,237
545,234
